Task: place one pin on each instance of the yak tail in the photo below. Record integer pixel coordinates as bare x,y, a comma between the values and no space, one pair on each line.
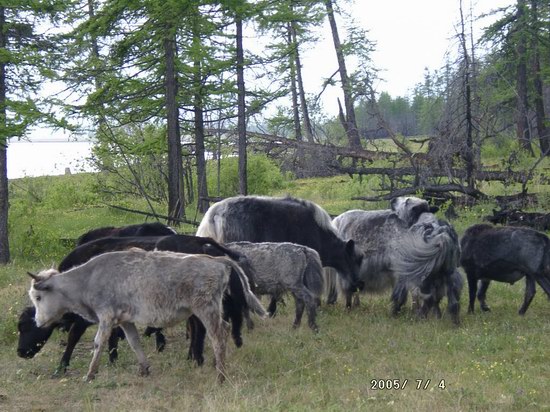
212,245
330,280
313,274
417,256
454,289
250,298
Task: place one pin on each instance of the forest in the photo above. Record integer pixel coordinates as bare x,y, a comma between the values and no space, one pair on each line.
166,93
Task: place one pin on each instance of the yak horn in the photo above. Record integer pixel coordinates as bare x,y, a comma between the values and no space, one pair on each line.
32,275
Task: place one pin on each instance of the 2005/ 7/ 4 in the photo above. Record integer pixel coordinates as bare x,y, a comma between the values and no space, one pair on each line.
397,384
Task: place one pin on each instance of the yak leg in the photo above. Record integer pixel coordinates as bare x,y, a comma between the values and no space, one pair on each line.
75,333
312,314
332,296
399,298
196,346
160,340
249,322
272,308
472,289
116,334
300,306
234,312
453,302
217,330
349,296
530,290
132,336
429,303
101,337
482,295
544,281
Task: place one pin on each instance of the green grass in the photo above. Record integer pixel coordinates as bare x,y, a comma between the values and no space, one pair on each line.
495,361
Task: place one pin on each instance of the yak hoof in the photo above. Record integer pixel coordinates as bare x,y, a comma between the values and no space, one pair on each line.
314,328
485,308
89,377
61,370
144,370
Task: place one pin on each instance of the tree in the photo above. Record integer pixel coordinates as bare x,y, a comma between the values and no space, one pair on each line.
467,63
519,37
4,240
523,129
24,56
543,128
241,103
348,118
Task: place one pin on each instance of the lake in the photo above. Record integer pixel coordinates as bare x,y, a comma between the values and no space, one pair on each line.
41,158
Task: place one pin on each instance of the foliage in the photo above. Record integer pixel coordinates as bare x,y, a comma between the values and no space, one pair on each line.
132,161
264,176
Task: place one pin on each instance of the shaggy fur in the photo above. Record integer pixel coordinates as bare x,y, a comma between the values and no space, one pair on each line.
267,219
405,248
286,267
505,254
150,288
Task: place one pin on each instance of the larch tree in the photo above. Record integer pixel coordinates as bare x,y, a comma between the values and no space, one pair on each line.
348,119
25,54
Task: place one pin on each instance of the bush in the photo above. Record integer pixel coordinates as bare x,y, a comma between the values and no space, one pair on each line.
264,176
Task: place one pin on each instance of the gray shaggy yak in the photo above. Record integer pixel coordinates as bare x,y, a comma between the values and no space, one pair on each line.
286,267
407,249
505,254
148,288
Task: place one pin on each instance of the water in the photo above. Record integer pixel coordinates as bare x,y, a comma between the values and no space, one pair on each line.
42,158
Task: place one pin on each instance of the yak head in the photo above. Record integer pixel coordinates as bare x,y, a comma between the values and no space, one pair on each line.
46,300
31,337
409,208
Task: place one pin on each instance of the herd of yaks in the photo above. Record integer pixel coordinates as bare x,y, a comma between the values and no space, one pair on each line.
249,245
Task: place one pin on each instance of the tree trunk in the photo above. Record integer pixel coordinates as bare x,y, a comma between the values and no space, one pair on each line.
241,108
301,90
540,113
352,130
523,132
4,205
176,199
468,154
293,87
202,187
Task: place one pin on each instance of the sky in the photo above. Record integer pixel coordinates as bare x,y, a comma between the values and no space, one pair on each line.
410,35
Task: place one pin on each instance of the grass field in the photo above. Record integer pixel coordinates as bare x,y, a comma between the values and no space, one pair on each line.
495,361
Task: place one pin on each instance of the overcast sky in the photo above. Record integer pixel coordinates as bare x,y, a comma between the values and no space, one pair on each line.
410,35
